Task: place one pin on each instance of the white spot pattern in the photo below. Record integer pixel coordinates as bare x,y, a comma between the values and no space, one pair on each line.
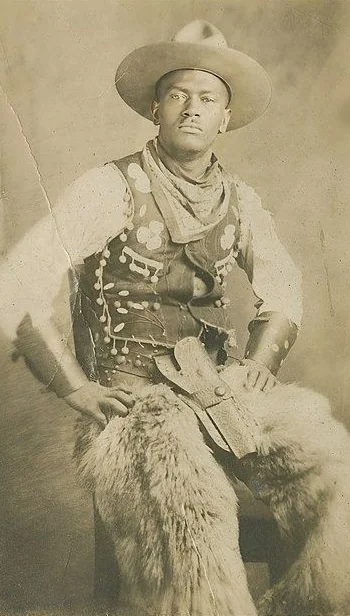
228,237
151,235
142,183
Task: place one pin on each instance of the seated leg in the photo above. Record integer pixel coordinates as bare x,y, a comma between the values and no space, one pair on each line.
302,473
168,508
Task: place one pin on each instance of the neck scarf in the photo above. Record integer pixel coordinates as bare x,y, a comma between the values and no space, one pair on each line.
191,207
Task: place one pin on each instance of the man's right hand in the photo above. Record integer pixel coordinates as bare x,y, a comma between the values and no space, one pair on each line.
100,402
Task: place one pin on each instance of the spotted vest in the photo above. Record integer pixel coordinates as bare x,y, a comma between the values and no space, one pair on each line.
140,286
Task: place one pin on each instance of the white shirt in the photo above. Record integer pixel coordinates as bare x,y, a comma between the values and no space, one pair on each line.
92,211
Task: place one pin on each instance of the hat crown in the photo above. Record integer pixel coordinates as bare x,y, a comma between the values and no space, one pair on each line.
201,32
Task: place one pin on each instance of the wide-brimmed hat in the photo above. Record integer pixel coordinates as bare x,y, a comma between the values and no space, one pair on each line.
199,46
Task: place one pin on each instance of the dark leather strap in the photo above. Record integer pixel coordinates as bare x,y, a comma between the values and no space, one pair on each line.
199,379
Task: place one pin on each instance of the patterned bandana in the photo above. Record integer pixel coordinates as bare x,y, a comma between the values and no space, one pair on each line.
190,207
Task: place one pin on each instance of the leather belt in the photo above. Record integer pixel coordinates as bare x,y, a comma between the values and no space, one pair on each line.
137,358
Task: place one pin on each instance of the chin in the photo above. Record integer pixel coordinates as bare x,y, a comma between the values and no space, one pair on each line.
191,143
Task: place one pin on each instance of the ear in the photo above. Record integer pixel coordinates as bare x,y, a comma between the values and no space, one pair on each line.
155,109
225,120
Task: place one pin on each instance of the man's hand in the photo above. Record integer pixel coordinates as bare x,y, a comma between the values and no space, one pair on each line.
101,403
258,376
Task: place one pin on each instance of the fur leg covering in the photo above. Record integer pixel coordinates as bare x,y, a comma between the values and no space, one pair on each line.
303,473
169,509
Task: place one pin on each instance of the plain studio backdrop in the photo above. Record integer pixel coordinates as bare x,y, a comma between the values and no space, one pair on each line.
60,116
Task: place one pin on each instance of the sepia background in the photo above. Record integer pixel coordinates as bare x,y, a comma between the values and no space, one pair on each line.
60,115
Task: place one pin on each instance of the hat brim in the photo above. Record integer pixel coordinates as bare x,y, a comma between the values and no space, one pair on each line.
139,72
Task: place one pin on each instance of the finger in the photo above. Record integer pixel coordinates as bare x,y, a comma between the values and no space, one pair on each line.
121,386
111,405
261,380
270,383
97,415
252,377
119,394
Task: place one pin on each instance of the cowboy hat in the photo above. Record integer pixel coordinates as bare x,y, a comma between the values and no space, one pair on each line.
198,46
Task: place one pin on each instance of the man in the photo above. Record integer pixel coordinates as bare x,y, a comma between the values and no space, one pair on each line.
156,234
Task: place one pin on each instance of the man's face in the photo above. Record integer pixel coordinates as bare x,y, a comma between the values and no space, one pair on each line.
191,110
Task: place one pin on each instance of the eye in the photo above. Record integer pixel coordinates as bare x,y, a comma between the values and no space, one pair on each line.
177,95
208,99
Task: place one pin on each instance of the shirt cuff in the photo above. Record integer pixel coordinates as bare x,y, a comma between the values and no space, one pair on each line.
272,335
49,358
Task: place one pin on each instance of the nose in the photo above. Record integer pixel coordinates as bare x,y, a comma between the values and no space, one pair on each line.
191,108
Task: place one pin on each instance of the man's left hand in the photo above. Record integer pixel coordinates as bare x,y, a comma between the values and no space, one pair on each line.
258,376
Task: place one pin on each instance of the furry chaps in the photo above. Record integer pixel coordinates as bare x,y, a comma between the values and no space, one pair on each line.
170,510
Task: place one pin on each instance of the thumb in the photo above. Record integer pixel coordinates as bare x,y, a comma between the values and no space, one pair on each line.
114,407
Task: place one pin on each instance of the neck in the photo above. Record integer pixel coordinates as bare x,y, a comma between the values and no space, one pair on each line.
187,164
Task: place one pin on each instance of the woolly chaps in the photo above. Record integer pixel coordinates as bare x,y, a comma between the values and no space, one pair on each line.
171,511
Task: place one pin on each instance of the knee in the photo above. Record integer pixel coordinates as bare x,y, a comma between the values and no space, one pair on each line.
299,421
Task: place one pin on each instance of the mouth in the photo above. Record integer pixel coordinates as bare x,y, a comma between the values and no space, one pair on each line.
190,128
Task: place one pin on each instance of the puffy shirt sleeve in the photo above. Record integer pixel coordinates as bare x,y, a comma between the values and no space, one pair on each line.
91,211
275,280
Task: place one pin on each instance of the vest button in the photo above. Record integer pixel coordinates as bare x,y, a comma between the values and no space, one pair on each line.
220,391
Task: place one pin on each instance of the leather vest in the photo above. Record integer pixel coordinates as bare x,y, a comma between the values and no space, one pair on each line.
140,287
